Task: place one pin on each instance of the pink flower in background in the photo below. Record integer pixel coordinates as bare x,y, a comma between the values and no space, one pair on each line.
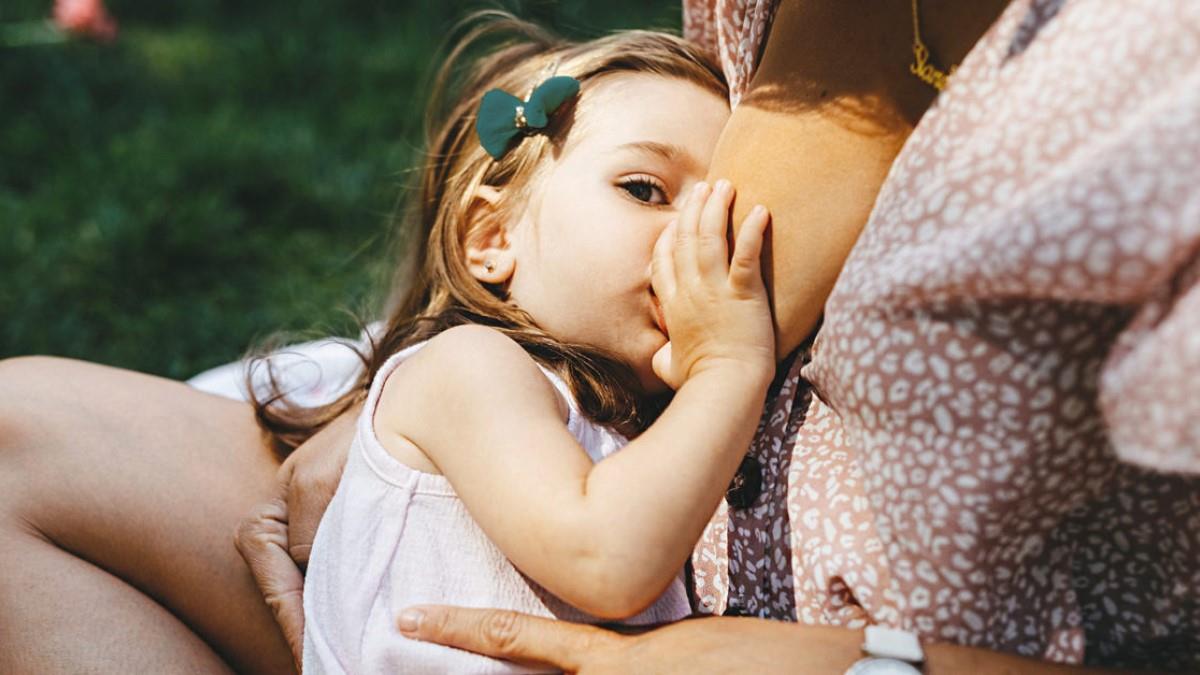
87,18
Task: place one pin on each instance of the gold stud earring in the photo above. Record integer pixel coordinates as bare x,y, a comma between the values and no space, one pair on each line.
489,266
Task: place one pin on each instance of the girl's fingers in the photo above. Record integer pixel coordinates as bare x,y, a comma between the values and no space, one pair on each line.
689,214
662,266
712,250
661,363
745,270
687,230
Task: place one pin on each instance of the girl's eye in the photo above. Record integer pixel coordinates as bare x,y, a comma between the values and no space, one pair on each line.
645,190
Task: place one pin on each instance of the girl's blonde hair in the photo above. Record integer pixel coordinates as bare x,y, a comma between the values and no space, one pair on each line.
435,289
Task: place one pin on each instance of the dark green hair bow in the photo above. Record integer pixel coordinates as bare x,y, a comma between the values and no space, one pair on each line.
503,116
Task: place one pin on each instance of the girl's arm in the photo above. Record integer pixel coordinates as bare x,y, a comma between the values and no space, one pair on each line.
609,537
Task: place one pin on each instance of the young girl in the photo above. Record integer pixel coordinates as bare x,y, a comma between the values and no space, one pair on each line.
565,233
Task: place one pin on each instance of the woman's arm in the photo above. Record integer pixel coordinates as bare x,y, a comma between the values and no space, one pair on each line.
707,645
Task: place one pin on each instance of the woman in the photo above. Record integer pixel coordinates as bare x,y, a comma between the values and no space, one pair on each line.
954,471
833,101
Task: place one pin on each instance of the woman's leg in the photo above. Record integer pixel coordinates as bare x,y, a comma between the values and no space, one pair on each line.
119,497
60,614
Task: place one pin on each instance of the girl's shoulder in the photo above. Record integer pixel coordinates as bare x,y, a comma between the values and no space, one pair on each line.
460,392
465,369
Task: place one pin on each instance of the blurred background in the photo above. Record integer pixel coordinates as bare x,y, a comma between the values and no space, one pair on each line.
221,171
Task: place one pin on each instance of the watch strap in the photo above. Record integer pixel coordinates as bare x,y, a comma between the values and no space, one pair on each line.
892,643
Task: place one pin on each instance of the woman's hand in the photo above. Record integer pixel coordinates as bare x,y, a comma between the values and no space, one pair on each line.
715,307
308,479
276,538
262,540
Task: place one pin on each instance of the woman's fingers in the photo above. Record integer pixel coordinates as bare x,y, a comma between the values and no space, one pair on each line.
309,478
276,539
745,270
508,635
712,251
262,540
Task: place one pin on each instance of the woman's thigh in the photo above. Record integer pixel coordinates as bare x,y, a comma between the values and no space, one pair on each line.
145,479
62,614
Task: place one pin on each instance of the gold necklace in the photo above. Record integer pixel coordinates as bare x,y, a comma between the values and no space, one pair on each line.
921,65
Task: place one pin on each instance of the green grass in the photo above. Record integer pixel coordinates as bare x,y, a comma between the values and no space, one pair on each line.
223,171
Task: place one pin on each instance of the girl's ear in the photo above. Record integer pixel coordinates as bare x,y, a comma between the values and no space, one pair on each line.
490,256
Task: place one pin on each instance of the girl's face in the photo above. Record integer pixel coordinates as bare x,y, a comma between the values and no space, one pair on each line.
581,250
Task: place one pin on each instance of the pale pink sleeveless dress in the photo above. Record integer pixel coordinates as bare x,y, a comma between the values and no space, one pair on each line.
394,537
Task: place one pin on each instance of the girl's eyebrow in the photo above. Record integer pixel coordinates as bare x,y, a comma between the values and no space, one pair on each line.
668,151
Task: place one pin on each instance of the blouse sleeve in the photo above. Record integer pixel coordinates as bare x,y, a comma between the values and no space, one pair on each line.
732,31
1150,383
1149,388
700,24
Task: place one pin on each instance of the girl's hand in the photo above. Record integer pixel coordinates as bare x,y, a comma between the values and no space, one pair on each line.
716,308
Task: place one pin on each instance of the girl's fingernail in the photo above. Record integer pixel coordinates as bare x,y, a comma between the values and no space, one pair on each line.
758,210
700,188
410,620
723,185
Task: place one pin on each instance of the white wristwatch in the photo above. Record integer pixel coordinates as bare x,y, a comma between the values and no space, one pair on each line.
889,652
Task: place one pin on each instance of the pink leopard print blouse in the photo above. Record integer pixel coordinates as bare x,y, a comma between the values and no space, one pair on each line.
978,447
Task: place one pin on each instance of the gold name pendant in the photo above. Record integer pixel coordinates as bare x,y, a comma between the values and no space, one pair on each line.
921,65
926,71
